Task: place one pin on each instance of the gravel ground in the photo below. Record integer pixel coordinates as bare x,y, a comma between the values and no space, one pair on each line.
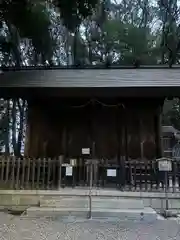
18,228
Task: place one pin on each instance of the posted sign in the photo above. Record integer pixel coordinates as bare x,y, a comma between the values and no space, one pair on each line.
69,171
85,151
111,172
165,165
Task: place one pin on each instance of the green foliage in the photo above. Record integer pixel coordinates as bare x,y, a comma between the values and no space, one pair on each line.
171,113
35,26
73,12
129,42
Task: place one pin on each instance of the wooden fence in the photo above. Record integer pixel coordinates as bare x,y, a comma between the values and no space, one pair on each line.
132,175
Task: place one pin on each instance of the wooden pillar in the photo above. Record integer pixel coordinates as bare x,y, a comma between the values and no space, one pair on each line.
27,139
121,163
126,135
28,134
65,142
126,147
158,132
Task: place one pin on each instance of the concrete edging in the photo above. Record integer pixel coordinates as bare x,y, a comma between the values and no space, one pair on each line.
29,198
94,192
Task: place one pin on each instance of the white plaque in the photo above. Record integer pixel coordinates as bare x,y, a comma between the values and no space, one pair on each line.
86,151
111,172
69,171
165,165
72,162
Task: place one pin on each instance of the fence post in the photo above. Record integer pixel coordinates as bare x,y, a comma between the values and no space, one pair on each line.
54,161
38,172
33,172
59,168
23,172
18,161
7,169
44,173
28,172
166,188
2,169
49,172
165,165
13,170
90,189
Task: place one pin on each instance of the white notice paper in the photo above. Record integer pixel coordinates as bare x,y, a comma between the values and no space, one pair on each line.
111,172
69,171
86,151
165,166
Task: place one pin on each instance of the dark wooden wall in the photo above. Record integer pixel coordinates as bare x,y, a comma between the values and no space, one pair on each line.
58,126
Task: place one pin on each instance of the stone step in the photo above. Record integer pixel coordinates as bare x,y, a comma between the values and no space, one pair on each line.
97,202
56,211
108,203
147,214
65,202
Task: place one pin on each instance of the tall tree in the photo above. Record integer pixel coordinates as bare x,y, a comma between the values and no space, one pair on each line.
170,43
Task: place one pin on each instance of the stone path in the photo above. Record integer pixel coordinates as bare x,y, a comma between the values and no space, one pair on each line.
20,228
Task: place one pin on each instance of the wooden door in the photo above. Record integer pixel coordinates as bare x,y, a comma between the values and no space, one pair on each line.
105,133
79,137
105,137
78,132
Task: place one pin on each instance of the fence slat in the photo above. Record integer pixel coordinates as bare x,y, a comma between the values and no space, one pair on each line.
146,172
135,180
54,173
2,169
151,167
7,169
141,174
33,165
49,173
59,172
129,170
24,162
38,173
17,171
13,172
44,174
28,170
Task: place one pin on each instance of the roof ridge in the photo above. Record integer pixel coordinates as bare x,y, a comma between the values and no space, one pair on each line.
87,67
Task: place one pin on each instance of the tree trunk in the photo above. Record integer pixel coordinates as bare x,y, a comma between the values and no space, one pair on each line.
14,144
15,44
7,150
90,53
21,109
75,47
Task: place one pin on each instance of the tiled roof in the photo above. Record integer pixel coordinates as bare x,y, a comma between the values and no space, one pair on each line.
65,78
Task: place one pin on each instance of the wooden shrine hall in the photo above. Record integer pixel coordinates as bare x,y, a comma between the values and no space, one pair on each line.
112,115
